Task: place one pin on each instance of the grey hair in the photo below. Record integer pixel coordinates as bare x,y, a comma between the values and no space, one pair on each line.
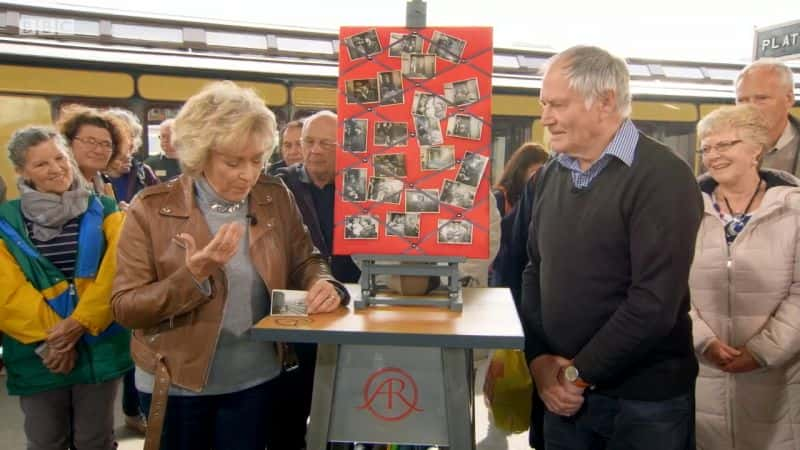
25,138
592,71
317,115
783,71
133,123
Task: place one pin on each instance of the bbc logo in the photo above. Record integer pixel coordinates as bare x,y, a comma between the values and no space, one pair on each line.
46,26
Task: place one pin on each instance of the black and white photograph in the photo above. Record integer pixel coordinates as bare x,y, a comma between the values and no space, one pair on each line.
464,126
429,105
354,186
418,65
429,131
437,157
390,134
355,135
457,194
363,44
361,227
463,92
287,302
385,190
402,224
390,88
390,165
472,167
363,90
454,232
422,200
446,47
400,44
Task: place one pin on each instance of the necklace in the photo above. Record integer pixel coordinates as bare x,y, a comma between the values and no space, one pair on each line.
749,204
226,208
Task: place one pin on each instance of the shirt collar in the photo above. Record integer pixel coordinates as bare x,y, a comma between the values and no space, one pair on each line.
789,133
622,146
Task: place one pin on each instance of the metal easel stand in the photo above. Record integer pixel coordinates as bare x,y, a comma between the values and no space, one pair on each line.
372,265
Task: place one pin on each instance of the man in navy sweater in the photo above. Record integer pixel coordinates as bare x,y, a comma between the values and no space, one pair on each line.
605,298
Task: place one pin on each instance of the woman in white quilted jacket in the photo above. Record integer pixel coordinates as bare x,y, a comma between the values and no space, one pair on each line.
745,286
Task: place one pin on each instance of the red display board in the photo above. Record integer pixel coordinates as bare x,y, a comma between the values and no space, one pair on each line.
414,141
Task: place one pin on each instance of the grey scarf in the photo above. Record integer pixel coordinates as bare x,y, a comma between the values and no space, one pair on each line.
49,212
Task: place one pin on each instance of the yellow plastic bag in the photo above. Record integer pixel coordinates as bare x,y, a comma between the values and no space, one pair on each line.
507,390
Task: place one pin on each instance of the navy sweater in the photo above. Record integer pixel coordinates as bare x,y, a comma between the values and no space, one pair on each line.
607,281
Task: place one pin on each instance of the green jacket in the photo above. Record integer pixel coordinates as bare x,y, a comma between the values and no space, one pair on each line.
35,296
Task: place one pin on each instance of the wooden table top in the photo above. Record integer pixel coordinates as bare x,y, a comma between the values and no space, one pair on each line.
488,320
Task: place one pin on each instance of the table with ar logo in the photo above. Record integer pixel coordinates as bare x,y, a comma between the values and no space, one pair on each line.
398,374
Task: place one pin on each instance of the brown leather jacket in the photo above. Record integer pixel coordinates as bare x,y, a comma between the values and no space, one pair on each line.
155,295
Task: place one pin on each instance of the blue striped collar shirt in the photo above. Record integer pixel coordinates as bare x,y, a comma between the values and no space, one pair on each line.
622,147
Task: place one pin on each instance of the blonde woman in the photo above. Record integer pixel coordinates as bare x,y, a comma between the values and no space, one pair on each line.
198,258
745,286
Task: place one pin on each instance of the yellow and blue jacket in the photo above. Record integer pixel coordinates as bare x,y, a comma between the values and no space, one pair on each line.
35,296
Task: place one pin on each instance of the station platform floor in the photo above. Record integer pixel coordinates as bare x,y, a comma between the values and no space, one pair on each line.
12,435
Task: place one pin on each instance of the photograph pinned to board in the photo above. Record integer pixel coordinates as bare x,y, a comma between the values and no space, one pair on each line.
390,165
363,44
402,224
402,44
390,88
288,302
422,201
354,187
463,92
472,168
362,90
429,131
361,227
385,190
447,47
457,194
418,65
437,157
355,135
390,134
464,126
454,232
429,105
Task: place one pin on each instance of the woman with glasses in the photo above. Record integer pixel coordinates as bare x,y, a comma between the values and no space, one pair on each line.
198,258
64,356
745,287
95,139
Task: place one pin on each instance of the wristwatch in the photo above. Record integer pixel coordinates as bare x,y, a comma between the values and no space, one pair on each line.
572,375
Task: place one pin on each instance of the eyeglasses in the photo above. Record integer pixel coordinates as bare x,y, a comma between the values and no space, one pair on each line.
325,144
105,145
720,147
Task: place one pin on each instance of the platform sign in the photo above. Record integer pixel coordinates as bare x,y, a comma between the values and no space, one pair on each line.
777,41
414,141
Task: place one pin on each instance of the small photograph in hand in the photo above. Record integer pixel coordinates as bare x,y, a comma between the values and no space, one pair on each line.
286,302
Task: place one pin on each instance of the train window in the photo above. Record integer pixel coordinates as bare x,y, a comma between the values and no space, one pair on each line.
144,33
305,45
693,73
531,62
679,136
239,40
508,134
721,74
506,61
638,70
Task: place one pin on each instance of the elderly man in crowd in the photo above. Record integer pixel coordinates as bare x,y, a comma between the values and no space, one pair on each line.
605,297
768,84
165,164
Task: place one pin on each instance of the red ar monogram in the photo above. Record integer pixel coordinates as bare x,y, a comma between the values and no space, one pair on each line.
390,394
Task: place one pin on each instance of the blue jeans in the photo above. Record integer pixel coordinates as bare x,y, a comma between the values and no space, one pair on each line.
617,424
232,421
